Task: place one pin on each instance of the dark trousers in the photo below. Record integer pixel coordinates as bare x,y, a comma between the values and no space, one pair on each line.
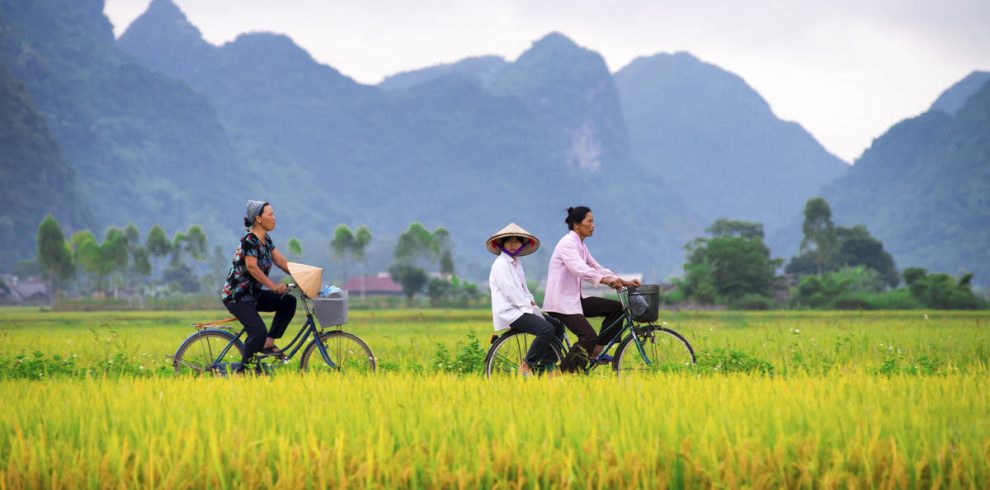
284,307
592,307
540,352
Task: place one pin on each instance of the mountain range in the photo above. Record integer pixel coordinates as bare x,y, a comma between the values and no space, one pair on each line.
923,187
160,126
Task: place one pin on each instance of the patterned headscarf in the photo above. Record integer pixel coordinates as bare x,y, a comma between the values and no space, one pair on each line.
254,209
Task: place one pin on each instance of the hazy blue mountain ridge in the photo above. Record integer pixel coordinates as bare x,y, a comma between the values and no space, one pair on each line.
951,100
183,132
144,147
923,188
34,178
450,149
716,142
477,68
570,90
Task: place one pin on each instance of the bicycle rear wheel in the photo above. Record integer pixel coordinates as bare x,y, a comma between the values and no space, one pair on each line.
347,353
664,350
204,353
508,353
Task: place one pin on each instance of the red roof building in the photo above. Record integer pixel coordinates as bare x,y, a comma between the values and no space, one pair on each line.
380,285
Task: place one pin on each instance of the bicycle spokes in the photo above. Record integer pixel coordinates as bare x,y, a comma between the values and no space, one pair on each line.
654,350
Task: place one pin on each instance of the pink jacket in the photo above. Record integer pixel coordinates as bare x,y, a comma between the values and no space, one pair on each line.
570,263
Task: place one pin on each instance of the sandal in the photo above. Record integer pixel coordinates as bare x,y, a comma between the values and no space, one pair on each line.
273,351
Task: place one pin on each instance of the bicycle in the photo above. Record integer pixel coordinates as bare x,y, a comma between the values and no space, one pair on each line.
215,350
642,350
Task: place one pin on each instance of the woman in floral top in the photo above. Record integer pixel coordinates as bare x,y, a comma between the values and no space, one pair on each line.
243,294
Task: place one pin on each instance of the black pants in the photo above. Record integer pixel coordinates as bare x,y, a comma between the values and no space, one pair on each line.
592,307
284,307
540,353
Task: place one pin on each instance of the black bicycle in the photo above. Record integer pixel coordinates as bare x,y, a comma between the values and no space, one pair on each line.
641,349
215,350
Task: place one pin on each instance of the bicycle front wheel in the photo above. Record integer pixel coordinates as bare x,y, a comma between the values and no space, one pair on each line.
211,352
347,353
509,352
663,350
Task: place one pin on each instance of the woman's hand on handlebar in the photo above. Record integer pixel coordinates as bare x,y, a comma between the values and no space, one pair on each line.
634,282
280,288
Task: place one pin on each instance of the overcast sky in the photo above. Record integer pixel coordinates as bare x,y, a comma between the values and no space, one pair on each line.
846,70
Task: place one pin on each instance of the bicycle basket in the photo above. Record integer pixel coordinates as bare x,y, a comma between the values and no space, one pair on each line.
331,310
644,302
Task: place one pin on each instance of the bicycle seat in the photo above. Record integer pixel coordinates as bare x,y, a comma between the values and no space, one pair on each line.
205,325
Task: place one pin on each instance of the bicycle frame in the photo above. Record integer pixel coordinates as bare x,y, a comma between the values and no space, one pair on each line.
309,328
630,326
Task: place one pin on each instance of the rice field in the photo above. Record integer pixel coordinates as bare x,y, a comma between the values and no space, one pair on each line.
779,399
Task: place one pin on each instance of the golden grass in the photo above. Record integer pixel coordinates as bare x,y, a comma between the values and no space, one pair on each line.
402,430
831,415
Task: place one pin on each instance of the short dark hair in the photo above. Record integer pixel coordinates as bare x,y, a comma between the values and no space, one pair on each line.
576,215
501,241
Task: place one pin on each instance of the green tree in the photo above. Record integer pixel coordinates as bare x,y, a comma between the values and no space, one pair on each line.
87,257
439,290
744,229
733,264
341,246
362,238
942,291
158,246
416,245
54,255
856,247
411,278
295,247
139,255
829,288
819,233
445,248
195,243
114,258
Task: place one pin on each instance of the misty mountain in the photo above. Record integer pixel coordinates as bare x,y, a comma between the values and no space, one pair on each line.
923,188
144,147
479,69
716,142
956,96
452,149
34,178
163,127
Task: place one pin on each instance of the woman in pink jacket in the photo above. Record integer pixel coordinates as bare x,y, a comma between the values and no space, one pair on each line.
570,264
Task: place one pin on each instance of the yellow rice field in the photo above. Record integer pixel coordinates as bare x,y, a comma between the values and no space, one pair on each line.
890,400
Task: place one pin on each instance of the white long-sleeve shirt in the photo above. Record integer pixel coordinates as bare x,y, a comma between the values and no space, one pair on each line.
510,295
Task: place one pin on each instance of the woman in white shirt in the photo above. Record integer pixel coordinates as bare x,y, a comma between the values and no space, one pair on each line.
513,306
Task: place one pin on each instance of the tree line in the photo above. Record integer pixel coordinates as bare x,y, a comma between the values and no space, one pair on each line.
836,268
418,250
158,265
155,265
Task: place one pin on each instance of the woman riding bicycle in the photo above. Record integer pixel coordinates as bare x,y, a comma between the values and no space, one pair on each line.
243,294
571,263
513,306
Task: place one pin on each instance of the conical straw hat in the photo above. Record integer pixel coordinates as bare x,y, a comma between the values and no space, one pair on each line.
530,242
307,277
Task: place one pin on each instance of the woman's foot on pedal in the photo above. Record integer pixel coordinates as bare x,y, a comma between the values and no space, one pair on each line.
273,350
525,370
604,359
